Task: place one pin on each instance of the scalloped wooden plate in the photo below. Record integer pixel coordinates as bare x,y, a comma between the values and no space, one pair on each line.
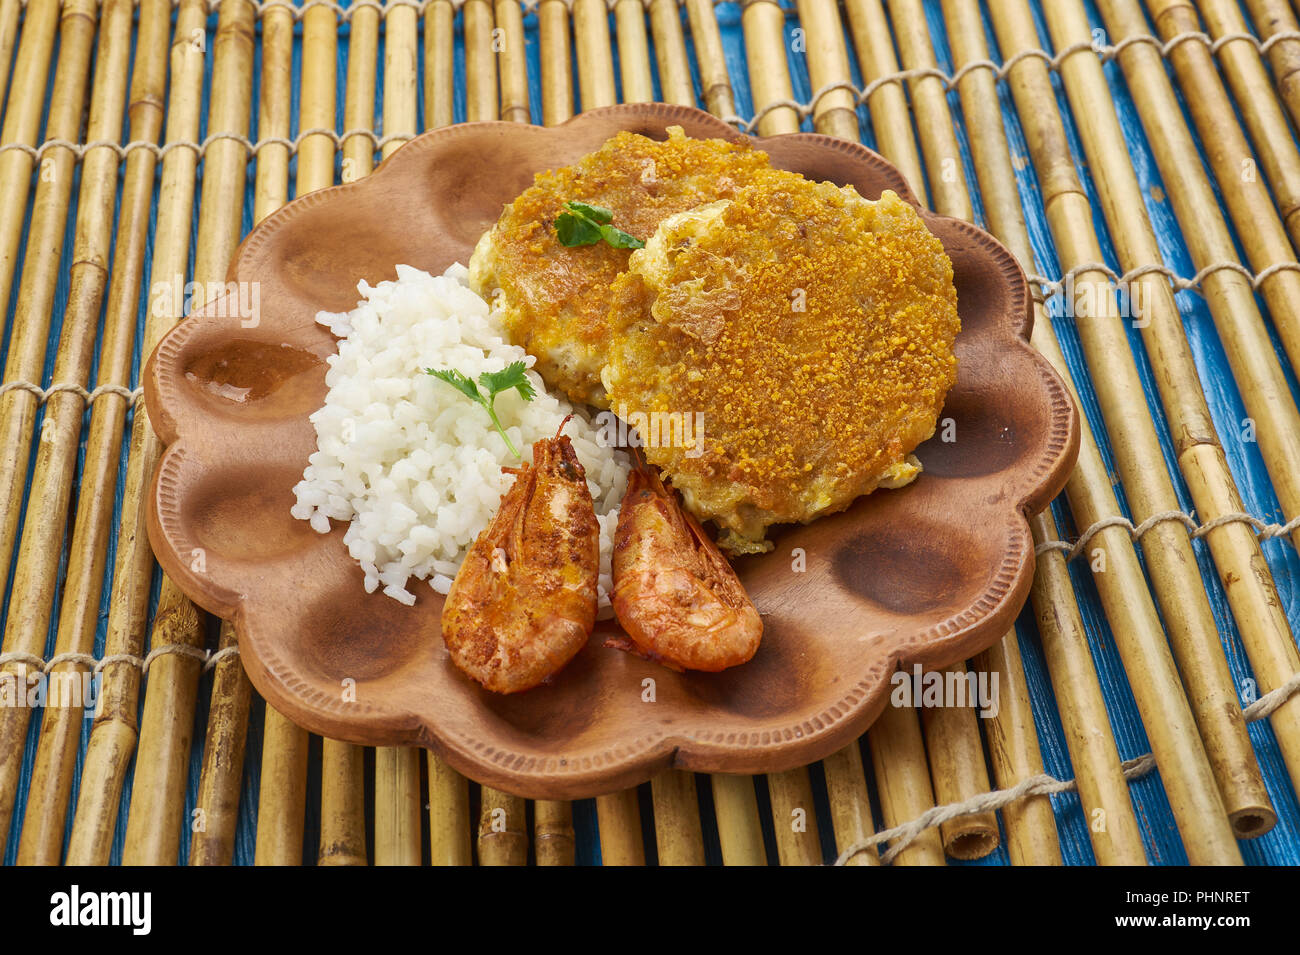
929,574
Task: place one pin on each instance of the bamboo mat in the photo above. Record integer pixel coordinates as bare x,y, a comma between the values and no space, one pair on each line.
1095,139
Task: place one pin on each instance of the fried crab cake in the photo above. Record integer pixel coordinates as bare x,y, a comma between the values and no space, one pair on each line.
555,297
803,337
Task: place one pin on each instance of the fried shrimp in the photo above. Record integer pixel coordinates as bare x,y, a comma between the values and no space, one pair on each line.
524,601
555,297
675,595
810,331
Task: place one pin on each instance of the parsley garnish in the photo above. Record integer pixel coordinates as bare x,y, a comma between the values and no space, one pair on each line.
585,224
494,382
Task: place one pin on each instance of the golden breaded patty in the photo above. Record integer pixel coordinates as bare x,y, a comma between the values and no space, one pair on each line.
813,331
555,298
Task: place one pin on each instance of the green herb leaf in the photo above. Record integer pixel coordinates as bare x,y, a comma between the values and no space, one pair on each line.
573,229
597,214
620,239
459,381
512,376
585,224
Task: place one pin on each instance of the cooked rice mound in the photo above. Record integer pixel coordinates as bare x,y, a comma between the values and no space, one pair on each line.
813,329
407,461
555,297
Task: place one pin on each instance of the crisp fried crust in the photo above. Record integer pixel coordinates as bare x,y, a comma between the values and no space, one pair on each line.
814,331
555,298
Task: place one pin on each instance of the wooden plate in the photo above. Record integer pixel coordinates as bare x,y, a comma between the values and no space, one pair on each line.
929,574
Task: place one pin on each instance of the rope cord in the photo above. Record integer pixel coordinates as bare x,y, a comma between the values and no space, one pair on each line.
901,836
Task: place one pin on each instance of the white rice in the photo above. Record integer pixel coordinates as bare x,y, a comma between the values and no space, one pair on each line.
412,464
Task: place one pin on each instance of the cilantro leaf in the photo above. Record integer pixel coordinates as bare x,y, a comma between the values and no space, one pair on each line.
512,376
597,214
620,239
457,380
574,229
585,224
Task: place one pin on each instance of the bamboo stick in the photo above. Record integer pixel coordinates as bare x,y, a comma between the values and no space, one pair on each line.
557,73
594,54
619,817
282,793
956,755
1272,17
900,738
794,817
1231,299
887,106
719,99
678,835
343,805
227,732
30,329
22,125
903,781
449,841
553,836
1259,108
835,113
317,100
342,797
957,770
282,800
502,834
1250,205
846,791
397,769
153,825
9,10
401,76
633,51
51,778
449,814
274,119
282,796
763,25
947,183
1015,756
32,593
152,833
508,846
675,85
481,100
1237,555
740,833
1103,789
226,163
397,805
114,734
1186,768
763,22
1257,608
439,64
735,803
1099,775
513,61
953,746
217,802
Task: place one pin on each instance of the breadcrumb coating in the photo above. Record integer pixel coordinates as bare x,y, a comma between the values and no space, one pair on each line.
555,297
814,331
